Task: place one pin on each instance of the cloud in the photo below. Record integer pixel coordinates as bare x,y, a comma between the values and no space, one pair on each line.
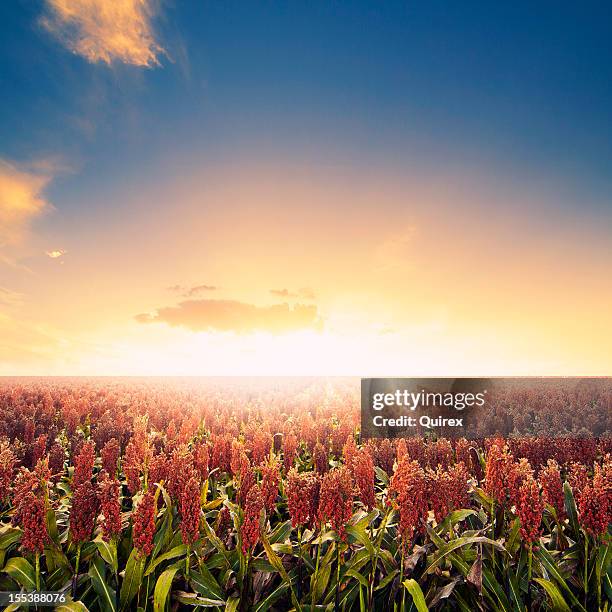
283,293
231,315
106,30
305,294
8,297
21,200
191,291
55,254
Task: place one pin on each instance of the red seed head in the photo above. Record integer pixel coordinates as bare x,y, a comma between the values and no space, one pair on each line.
595,504
110,506
363,473
302,490
529,510
8,461
249,530
83,512
201,457
158,469
336,500
143,521
180,470
270,473
189,508
290,445
320,458
408,491
34,524
83,464
349,450
110,456
498,465
578,479
516,474
552,487
57,457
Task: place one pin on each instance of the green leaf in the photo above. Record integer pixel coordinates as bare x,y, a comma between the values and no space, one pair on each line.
570,508
458,543
106,595
549,564
382,475
445,592
320,581
417,594
232,604
362,579
386,580
132,579
21,570
513,541
454,517
52,526
205,583
360,535
108,551
558,603
72,606
61,560
177,551
276,594
280,568
9,536
280,533
492,590
216,542
515,591
192,599
162,588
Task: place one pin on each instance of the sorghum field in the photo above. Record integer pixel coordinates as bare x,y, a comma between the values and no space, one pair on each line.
244,495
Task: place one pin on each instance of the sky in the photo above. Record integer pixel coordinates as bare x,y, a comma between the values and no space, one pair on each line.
316,188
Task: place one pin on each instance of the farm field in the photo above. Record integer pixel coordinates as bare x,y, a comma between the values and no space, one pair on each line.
236,494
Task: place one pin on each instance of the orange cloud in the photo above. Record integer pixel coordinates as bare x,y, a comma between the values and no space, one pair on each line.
231,315
192,291
305,294
55,254
21,200
106,30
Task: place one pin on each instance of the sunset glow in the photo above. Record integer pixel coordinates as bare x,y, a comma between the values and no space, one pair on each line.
179,227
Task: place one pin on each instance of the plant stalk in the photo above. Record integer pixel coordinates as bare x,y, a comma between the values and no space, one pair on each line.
38,571
75,577
586,567
316,574
337,600
529,566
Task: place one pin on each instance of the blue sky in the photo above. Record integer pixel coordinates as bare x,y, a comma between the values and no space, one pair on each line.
525,85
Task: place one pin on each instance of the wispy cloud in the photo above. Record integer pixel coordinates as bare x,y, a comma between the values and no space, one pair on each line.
8,297
106,30
304,294
21,200
240,317
56,254
192,291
